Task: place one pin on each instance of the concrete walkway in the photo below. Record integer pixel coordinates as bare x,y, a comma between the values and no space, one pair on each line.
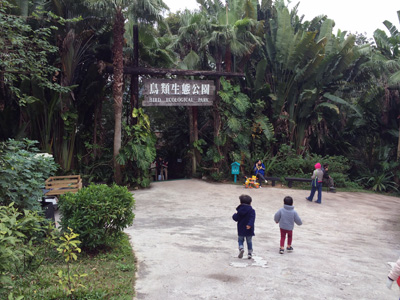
186,244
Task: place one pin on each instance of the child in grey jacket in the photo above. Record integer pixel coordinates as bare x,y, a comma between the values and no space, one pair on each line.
286,217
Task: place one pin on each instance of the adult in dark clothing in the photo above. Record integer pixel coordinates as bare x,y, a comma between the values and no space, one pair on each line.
245,218
328,180
159,168
164,169
259,171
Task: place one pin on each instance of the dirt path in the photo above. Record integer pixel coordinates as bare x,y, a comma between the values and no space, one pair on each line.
186,244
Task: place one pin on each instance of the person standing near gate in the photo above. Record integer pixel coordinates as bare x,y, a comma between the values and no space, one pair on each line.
159,163
164,169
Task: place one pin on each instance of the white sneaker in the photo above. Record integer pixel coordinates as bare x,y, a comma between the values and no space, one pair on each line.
266,181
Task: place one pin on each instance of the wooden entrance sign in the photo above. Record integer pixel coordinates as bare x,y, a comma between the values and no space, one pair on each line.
178,92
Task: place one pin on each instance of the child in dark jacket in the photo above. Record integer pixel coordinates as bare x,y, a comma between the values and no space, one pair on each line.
245,218
286,217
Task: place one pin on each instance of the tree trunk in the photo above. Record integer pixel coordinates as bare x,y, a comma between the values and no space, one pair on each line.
398,143
191,139
134,77
2,92
228,59
216,114
217,117
134,88
118,64
98,128
195,138
196,132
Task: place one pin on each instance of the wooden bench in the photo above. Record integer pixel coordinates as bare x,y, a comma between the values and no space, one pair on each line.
291,179
273,179
58,185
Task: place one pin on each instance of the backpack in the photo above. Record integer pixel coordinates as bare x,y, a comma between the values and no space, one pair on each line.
314,182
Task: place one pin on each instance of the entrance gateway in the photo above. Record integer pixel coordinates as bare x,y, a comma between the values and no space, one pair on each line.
173,88
180,92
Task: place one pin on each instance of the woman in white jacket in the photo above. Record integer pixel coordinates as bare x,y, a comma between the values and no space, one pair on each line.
394,275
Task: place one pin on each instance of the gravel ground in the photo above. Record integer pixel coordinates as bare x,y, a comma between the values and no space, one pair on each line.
185,242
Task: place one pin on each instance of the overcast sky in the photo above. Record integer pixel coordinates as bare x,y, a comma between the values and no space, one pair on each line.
350,15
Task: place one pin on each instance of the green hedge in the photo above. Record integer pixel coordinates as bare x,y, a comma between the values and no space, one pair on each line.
23,171
98,213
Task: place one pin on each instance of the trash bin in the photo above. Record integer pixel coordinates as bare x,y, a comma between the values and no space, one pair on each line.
48,209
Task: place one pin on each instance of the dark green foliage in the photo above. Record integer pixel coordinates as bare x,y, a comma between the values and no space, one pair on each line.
22,235
25,52
380,182
138,150
242,125
290,164
98,213
305,85
23,171
104,279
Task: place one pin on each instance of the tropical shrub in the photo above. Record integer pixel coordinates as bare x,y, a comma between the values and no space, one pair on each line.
243,129
380,182
23,171
288,163
19,234
69,249
138,151
98,213
95,165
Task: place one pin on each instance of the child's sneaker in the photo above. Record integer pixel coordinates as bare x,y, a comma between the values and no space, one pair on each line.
281,251
289,248
250,255
241,251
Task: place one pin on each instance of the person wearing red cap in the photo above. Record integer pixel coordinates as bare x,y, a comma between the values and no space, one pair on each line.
316,183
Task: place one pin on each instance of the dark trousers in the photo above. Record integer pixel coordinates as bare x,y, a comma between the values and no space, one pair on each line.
329,181
260,176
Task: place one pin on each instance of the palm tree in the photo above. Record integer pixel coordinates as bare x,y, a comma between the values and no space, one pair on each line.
228,35
115,10
148,10
56,116
388,58
305,70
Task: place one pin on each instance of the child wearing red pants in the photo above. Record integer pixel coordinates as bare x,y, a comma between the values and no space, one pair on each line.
394,275
286,217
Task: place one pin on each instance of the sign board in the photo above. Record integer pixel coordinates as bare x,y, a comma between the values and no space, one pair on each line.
235,168
178,92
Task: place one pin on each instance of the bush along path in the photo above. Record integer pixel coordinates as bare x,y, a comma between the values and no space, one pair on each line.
90,258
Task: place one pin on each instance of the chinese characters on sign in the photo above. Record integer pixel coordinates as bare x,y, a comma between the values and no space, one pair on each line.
165,92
